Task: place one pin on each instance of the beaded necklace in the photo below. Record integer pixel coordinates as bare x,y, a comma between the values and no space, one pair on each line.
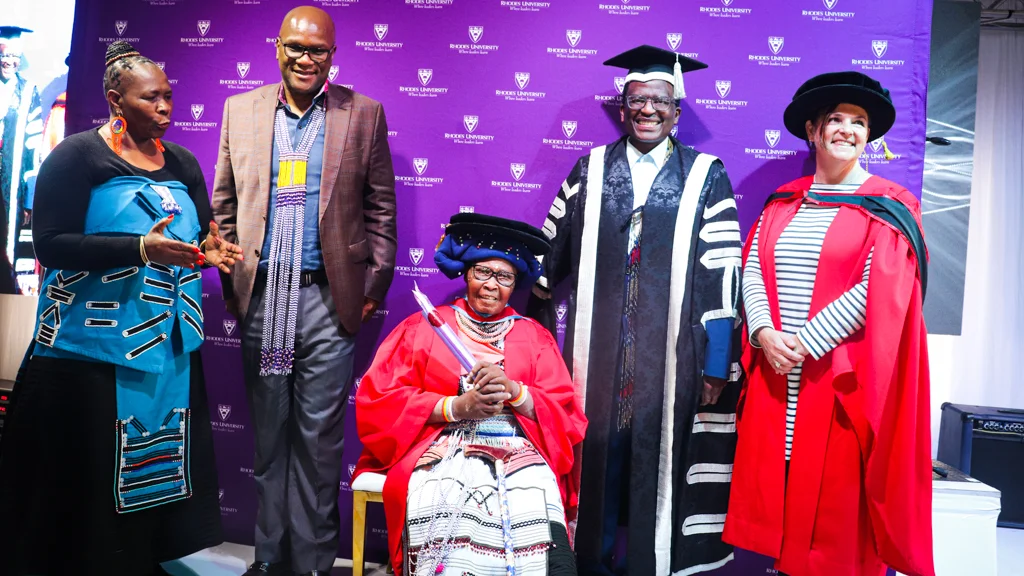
483,331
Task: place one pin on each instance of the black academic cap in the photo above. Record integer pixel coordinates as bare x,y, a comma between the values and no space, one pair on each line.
649,63
13,31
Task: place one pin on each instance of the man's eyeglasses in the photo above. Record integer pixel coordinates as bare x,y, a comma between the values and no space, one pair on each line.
296,51
483,274
660,104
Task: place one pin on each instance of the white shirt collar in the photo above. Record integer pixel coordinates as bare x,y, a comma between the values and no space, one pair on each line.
657,155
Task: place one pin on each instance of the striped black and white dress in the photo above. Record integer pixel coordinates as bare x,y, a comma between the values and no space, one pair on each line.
796,265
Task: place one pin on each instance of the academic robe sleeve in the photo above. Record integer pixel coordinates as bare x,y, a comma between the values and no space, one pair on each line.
717,271
890,366
558,262
393,402
560,424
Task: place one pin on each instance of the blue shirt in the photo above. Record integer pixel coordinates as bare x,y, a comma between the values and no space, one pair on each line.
312,258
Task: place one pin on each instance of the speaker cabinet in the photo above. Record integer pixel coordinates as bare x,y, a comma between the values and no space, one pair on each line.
988,444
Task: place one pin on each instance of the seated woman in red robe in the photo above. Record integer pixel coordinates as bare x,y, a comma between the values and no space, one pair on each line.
479,463
832,475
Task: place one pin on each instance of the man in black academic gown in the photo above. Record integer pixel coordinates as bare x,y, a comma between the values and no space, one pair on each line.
21,127
646,230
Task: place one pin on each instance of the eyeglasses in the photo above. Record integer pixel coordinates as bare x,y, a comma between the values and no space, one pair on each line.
296,51
483,274
660,104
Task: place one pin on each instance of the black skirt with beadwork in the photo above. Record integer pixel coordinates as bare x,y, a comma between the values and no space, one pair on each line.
57,479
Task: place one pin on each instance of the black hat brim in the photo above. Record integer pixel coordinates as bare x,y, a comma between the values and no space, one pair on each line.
881,112
531,237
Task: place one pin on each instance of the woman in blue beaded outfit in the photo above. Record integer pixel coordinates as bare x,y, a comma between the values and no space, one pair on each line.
108,445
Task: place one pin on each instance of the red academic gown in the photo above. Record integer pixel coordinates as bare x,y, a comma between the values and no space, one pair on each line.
859,489
413,370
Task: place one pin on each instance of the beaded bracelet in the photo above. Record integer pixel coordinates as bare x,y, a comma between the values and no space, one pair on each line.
521,399
448,409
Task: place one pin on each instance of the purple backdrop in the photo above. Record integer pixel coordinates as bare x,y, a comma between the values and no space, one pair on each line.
489,103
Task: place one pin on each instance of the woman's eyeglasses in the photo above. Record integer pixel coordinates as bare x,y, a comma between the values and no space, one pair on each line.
483,274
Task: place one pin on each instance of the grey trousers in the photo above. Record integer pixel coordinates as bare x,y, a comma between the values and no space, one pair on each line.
298,422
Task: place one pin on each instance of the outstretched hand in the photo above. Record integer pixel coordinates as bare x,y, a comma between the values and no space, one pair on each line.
163,250
220,252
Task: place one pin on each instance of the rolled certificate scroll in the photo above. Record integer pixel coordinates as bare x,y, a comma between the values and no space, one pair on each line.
448,336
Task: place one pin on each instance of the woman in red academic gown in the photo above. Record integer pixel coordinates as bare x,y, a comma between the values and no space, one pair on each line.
833,470
479,464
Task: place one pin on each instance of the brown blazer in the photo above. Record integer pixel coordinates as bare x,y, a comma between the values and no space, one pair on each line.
357,195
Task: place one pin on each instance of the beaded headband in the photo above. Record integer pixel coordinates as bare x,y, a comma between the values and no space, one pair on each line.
120,56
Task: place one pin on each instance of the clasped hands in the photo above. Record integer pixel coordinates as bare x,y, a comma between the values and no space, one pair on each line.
783,351
491,388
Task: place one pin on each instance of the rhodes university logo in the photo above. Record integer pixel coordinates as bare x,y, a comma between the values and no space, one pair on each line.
674,39
776,43
203,26
416,255
229,327
560,312
243,69
121,25
879,47
771,137
522,80
619,83
425,74
475,33
225,411
380,31
568,128
420,165
573,37
332,73
517,169
470,122
830,4
723,87
197,111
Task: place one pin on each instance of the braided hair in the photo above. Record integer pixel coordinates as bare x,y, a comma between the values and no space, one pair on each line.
121,57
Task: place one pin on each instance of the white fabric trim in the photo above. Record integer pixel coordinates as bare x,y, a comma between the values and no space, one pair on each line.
712,211
648,76
708,472
722,257
716,315
557,208
570,191
735,371
706,567
587,274
716,423
726,231
703,524
16,175
681,241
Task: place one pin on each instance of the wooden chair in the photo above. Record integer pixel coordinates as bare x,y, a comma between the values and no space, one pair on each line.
368,487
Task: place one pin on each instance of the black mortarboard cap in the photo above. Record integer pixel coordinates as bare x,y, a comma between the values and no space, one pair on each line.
649,63
13,31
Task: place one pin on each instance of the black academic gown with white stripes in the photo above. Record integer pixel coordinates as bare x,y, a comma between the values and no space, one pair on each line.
681,454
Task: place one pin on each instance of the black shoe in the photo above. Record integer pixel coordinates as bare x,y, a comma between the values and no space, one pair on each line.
258,569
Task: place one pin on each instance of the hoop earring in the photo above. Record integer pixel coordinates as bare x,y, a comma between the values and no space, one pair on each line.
118,126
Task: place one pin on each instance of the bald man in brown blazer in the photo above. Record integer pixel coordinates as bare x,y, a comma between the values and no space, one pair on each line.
304,175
